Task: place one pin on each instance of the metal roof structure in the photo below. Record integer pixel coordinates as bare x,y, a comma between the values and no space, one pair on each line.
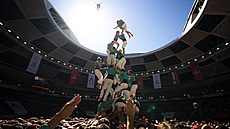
29,26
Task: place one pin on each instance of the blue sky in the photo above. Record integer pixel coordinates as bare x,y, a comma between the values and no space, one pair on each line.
154,23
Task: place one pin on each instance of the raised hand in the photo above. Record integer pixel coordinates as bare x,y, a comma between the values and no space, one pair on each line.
68,108
130,108
65,112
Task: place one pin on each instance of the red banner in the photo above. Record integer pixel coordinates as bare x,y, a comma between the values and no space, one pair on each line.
222,115
140,82
196,71
175,77
73,77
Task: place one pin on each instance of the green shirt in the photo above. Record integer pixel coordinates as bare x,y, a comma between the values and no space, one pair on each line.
133,79
98,65
122,37
119,55
116,37
119,77
111,71
104,104
112,48
44,127
124,76
120,23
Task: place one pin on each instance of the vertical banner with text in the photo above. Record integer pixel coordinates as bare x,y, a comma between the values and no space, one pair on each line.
140,82
34,63
196,71
91,80
17,107
175,77
157,81
73,77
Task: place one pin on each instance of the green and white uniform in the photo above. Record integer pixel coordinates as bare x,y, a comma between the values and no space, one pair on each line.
104,104
132,85
111,57
98,72
122,25
122,37
124,85
122,60
108,82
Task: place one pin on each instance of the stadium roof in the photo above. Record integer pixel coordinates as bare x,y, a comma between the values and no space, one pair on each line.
27,24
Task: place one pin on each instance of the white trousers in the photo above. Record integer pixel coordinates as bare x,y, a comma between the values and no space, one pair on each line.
133,89
99,76
124,26
108,51
126,94
116,80
121,87
111,59
118,104
107,85
121,63
117,61
124,44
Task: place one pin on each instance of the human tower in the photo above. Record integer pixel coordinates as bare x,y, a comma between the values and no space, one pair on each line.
115,74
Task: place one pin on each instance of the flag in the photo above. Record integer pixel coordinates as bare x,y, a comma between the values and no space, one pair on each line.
156,81
222,115
91,80
17,107
90,113
73,77
196,71
140,82
169,114
175,77
34,63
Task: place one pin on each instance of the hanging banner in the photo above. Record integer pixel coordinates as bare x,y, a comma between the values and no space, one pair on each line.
157,81
196,71
91,80
73,77
222,115
140,82
90,113
17,107
175,77
169,114
34,63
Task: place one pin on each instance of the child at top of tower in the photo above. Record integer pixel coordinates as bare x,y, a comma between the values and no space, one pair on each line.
122,25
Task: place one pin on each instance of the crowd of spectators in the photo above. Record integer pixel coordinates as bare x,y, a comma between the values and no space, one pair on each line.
62,120
41,108
92,123
184,109
41,105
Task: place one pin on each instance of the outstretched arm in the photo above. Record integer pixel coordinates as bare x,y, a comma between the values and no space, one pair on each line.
129,79
117,70
117,44
111,100
100,63
130,109
65,112
103,109
115,27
